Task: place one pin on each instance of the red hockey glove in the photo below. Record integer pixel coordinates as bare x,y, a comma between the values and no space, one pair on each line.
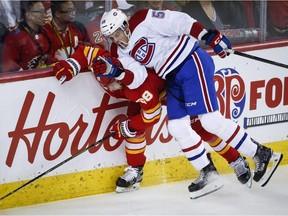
121,130
64,70
107,66
218,42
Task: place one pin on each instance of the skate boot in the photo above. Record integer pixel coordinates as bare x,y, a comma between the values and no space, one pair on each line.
208,181
242,171
130,180
262,158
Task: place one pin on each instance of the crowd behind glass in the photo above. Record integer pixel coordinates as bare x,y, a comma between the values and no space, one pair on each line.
52,30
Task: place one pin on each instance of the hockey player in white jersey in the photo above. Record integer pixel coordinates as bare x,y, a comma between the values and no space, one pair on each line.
168,41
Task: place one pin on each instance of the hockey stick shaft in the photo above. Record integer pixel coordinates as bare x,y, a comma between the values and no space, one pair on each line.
257,58
58,165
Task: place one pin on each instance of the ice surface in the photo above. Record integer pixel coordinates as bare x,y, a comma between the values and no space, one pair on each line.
173,199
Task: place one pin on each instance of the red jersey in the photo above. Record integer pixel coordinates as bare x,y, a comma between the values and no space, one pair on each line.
63,42
25,49
148,95
94,33
278,14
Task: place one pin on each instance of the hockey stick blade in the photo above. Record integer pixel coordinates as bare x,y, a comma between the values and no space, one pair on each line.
275,159
58,165
256,58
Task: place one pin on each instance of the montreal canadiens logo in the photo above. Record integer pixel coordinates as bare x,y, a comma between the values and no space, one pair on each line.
143,51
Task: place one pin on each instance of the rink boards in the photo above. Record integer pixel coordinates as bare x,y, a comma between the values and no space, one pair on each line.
43,123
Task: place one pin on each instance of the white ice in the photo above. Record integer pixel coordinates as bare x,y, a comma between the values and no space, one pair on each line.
173,199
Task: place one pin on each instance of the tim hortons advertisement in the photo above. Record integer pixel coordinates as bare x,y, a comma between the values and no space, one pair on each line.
43,122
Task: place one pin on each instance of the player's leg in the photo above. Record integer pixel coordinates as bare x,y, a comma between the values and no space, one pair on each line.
262,158
230,154
202,101
181,99
135,156
193,148
133,174
233,134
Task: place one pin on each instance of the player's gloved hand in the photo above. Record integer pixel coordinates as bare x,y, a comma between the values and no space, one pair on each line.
107,66
121,130
218,42
65,70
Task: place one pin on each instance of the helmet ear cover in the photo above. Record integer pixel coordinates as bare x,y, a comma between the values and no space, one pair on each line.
112,20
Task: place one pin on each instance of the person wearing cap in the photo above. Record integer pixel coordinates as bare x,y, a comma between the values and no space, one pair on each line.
128,9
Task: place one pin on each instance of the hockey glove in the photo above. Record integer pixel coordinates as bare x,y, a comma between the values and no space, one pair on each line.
65,70
121,130
218,42
106,66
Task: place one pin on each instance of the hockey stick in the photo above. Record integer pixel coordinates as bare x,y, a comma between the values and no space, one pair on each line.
58,165
256,58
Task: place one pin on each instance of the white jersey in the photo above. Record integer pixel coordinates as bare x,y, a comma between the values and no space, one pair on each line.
160,40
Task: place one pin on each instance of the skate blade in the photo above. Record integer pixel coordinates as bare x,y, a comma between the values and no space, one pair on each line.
275,159
209,188
249,182
133,187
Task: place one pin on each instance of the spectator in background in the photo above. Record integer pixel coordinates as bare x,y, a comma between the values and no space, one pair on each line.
252,13
10,13
277,19
27,47
64,33
81,15
127,8
232,13
93,27
3,31
217,14
93,8
157,5
47,6
204,12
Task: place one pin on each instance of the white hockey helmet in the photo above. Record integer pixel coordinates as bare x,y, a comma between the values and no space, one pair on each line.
112,20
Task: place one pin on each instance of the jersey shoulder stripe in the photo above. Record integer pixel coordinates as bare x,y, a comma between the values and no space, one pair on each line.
137,18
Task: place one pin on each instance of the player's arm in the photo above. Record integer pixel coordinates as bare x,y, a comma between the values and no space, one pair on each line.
126,70
164,22
82,59
212,37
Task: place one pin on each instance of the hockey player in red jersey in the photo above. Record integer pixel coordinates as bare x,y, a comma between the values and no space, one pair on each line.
153,40
144,110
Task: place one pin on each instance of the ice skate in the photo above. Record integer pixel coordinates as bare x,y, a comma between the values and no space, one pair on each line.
131,179
264,155
242,171
208,181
